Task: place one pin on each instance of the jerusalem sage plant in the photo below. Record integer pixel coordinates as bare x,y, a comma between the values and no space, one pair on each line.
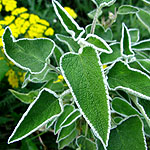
112,102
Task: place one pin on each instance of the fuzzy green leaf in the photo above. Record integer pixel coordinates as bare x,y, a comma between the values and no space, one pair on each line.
127,9
69,139
85,78
121,76
126,42
97,43
67,21
28,54
25,97
72,45
123,107
66,131
45,107
101,32
67,110
142,15
127,136
110,58
142,45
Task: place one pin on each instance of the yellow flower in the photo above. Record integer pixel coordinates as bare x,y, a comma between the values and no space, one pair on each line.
18,11
49,31
1,58
0,7
12,78
1,32
24,15
71,12
33,19
9,4
44,22
9,19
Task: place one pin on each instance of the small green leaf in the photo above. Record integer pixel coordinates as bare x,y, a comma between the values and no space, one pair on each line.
110,58
28,54
58,52
3,69
105,34
97,43
128,135
142,45
26,98
126,42
72,45
103,3
71,118
45,107
85,143
67,110
142,15
127,9
92,13
67,21
69,139
134,34
145,64
66,131
84,76
121,76
123,107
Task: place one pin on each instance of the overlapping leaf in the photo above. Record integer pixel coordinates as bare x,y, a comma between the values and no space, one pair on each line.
127,9
86,80
28,54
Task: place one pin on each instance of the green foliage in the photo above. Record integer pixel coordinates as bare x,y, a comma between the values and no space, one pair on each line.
91,91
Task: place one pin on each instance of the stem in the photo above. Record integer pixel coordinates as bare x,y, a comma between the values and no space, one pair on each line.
134,99
53,68
95,20
86,129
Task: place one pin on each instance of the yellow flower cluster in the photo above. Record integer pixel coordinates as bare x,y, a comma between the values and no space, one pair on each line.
71,12
8,4
14,79
21,23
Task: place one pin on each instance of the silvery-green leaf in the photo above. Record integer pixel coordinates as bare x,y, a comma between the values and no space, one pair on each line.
66,131
125,43
97,43
142,15
134,34
67,21
106,34
3,68
142,45
92,13
71,118
58,52
84,75
72,45
146,1
28,54
145,64
110,58
69,139
103,3
127,9
67,110
123,107
121,76
26,97
146,127
128,135
44,108
85,143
